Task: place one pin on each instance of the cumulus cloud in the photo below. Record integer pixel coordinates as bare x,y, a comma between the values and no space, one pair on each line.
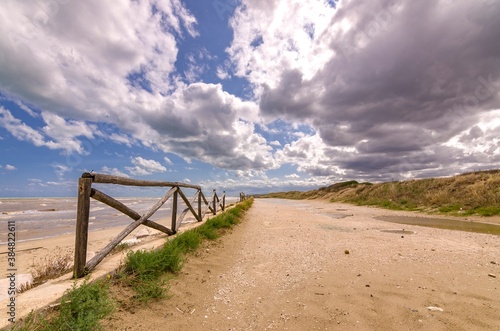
206,123
143,167
400,85
119,73
10,167
113,171
58,133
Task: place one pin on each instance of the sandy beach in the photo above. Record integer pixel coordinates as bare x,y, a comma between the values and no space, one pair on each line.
313,265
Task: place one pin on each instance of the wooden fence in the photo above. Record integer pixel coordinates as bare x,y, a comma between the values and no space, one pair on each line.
85,192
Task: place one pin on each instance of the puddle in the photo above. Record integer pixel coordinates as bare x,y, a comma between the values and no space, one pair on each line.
441,223
335,215
335,228
399,231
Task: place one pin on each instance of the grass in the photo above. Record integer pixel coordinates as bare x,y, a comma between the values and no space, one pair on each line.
475,193
81,309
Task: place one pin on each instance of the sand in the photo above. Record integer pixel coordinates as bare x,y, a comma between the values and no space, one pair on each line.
30,253
286,267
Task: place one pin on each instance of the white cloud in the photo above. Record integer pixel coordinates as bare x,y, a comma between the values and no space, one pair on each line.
120,71
113,171
167,160
380,89
121,138
275,143
222,73
61,170
312,155
10,167
280,35
57,134
144,167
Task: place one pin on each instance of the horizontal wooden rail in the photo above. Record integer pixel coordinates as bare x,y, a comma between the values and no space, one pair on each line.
109,179
85,192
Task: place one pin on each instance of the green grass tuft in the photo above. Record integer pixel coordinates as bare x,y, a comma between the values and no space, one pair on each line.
80,310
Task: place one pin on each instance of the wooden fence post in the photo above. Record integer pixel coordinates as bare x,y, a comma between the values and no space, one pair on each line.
214,202
199,206
223,200
174,212
82,226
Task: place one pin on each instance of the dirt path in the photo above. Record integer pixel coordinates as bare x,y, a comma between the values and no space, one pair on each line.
285,268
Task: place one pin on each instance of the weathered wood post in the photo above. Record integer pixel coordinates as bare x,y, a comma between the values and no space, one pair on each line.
174,212
223,200
82,226
199,207
214,202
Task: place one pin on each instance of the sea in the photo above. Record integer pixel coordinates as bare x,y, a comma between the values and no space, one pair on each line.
37,218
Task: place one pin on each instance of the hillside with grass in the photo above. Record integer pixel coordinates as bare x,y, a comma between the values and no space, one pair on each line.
476,193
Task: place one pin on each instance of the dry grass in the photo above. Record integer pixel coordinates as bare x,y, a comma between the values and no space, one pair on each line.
465,194
53,265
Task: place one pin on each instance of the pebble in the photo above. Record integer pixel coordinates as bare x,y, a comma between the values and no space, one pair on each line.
492,275
432,308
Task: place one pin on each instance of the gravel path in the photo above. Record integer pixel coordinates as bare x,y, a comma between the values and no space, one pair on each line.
294,265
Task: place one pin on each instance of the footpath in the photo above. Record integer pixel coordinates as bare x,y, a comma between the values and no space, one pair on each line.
314,265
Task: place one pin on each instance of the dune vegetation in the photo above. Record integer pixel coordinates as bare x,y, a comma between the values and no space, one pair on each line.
474,193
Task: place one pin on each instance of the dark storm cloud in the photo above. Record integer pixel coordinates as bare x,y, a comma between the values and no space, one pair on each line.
406,77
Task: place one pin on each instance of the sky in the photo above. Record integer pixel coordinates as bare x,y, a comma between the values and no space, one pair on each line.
246,95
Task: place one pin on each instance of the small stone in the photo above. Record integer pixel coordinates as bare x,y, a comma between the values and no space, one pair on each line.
367,285
346,251
492,275
493,262
432,308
